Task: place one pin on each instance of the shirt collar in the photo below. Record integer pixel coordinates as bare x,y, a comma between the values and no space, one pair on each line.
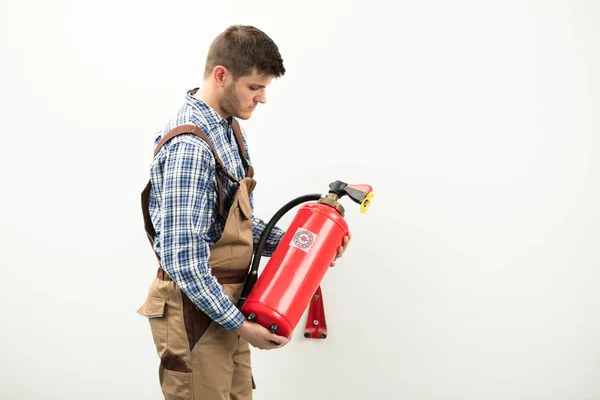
210,115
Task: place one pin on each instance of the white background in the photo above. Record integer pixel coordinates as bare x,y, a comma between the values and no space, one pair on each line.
474,274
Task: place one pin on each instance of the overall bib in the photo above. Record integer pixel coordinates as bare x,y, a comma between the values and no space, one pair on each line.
199,359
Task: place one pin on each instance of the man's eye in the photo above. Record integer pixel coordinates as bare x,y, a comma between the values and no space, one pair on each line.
253,87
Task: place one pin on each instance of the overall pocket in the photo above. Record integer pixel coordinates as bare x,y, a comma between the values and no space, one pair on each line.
175,376
154,309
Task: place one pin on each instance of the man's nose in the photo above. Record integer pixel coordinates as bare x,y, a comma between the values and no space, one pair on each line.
261,98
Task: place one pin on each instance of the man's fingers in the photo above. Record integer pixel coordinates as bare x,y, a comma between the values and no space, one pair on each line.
274,342
342,248
280,340
346,241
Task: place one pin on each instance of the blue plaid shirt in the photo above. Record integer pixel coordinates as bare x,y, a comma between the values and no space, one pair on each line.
184,206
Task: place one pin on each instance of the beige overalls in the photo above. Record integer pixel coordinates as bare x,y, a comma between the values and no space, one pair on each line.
199,359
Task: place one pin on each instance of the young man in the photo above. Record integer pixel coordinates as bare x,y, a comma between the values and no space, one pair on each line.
198,209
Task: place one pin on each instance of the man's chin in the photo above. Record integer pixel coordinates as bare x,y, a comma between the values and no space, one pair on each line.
244,115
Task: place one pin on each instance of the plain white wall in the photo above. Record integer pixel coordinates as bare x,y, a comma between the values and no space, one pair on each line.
474,275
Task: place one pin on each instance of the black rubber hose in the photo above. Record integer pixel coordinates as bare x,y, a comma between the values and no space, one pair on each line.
253,274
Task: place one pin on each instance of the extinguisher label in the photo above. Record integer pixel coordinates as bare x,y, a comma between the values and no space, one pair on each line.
303,239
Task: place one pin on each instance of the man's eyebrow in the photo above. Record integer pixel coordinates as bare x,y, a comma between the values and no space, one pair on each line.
257,84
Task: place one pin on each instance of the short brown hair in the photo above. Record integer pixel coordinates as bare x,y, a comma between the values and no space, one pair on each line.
241,48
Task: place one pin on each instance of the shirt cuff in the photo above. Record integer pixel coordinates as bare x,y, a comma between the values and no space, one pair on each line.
232,318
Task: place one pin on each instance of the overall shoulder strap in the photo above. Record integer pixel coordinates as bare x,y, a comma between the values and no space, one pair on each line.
238,138
182,129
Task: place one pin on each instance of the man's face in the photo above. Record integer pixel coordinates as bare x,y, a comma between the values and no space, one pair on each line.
240,98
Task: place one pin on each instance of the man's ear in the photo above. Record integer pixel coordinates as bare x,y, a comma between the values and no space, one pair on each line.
220,74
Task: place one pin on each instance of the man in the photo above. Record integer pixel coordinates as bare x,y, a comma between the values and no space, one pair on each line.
198,209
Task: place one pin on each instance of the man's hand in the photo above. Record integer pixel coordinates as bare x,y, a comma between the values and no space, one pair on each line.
260,337
342,248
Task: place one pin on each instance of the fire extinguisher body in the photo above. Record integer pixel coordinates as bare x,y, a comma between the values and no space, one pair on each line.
296,268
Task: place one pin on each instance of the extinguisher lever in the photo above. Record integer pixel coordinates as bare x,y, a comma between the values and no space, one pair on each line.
360,194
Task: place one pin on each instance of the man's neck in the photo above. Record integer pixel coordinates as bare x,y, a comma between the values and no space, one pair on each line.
208,96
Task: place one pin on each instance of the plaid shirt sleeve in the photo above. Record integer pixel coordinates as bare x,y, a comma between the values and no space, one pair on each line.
187,216
258,226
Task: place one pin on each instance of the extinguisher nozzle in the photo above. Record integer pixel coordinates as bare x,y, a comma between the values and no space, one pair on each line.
364,206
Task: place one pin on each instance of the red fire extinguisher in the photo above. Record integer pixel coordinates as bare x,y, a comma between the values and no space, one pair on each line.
291,278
